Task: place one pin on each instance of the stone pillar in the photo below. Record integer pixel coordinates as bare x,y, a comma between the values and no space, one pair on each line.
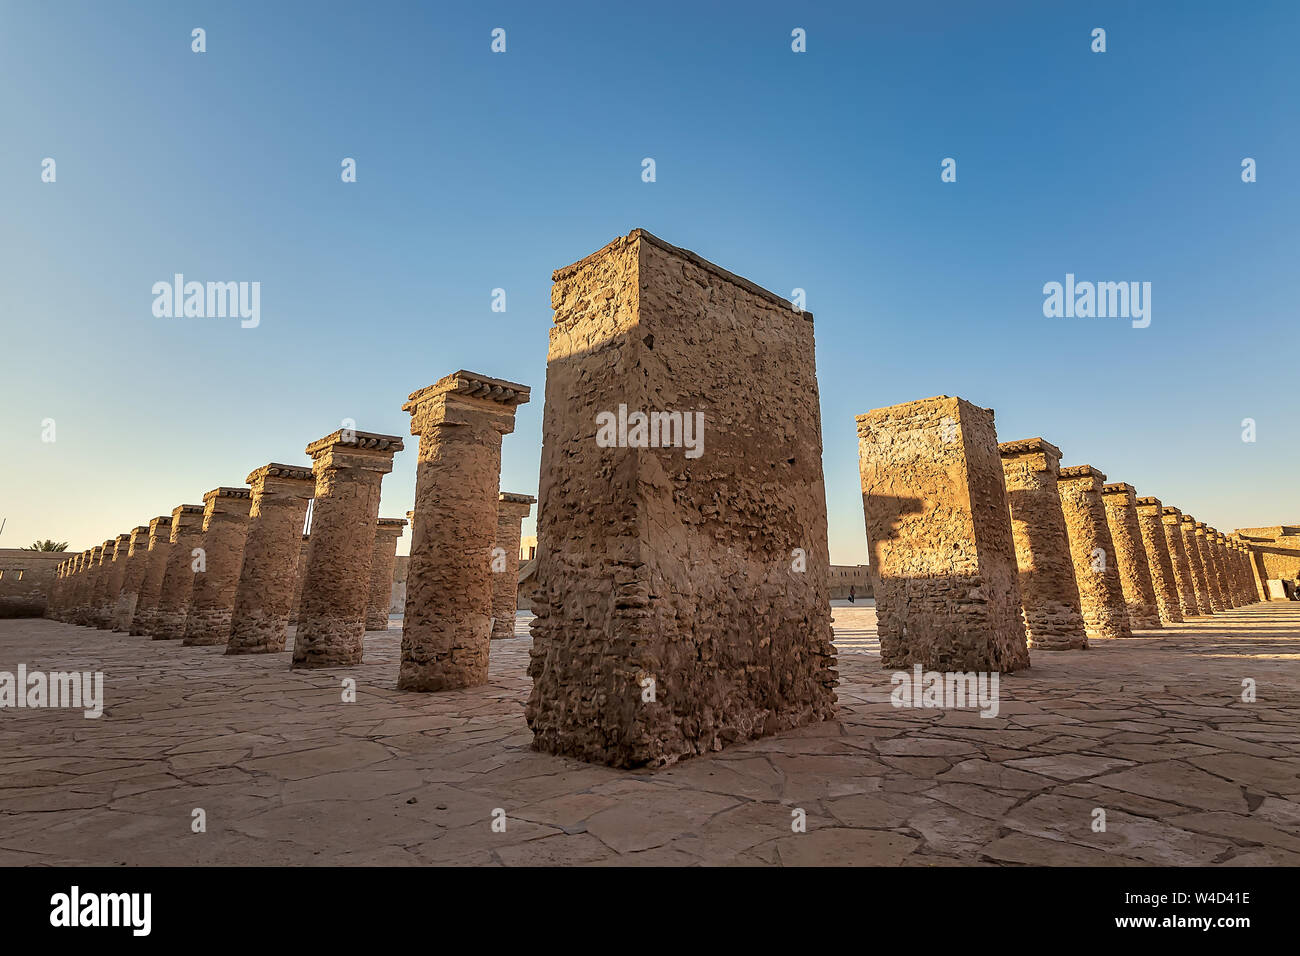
1160,562
300,575
1220,583
146,605
137,554
1213,591
349,467
1187,528
86,599
939,529
1172,520
686,549
178,576
1230,591
447,624
225,526
512,509
387,531
265,594
1047,588
1101,594
1249,594
100,609
114,571
56,593
1131,558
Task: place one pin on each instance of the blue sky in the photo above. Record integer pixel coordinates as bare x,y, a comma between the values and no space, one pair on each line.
477,171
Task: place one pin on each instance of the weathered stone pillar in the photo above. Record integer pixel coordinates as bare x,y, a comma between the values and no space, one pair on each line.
1172,519
1212,589
72,576
1096,570
146,605
682,513
1048,591
349,467
225,526
1220,582
56,593
1131,555
178,576
265,594
1249,594
114,571
512,509
1187,528
300,576
447,625
137,563
1227,569
1159,561
387,531
86,599
939,529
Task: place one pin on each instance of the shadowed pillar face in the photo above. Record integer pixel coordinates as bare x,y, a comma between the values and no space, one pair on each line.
225,527
1047,588
939,528
681,513
349,467
155,566
1159,560
268,576
178,577
1195,560
301,576
1213,595
86,597
446,629
387,531
137,561
512,509
114,572
1131,557
1226,569
1172,519
1101,594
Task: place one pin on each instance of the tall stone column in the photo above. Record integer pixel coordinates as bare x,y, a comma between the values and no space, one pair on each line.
86,607
1230,592
137,563
1213,590
685,551
1131,557
446,629
512,509
1053,620
1220,571
114,571
1101,594
68,612
56,594
265,594
939,529
1187,528
146,605
300,576
1159,561
178,576
1249,593
225,527
349,467
387,531
1172,519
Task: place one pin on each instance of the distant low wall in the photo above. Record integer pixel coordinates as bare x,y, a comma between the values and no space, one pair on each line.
26,578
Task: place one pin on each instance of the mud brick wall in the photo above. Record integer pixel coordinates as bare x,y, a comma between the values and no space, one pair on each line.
657,567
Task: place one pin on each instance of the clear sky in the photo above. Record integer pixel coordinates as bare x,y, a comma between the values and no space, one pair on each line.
479,170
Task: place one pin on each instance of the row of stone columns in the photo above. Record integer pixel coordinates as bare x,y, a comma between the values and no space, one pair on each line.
979,565
238,570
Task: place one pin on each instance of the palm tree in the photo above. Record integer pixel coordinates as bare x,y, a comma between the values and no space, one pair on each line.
47,545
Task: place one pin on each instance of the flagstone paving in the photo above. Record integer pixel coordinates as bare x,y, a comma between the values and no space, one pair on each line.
1151,730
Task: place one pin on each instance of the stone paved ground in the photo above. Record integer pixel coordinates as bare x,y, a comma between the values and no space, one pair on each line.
1152,730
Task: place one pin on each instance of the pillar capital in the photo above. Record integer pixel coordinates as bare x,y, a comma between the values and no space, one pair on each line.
1039,454
1083,473
1148,506
1122,488
462,397
275,478
391,527
511,503
348,447
226,501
